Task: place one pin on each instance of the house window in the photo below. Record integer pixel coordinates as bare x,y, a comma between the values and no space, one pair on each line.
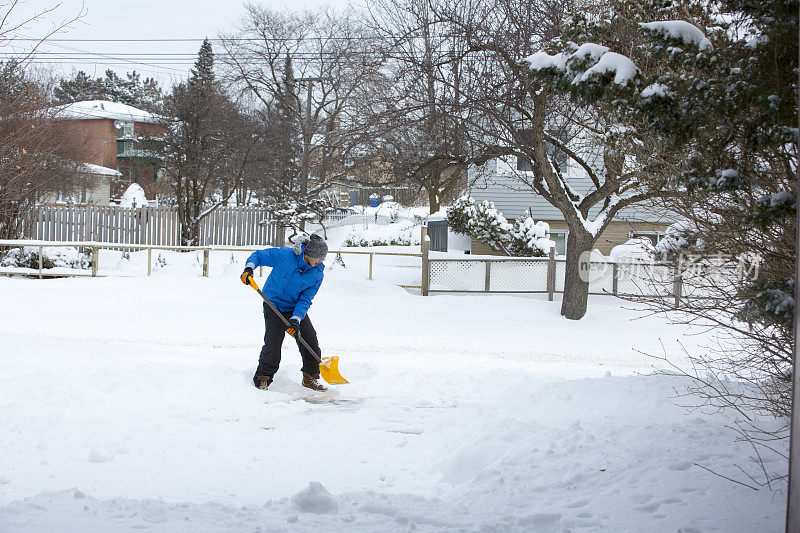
124,128
654,236
560,238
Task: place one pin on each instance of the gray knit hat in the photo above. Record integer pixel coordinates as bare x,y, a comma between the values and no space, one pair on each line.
315,246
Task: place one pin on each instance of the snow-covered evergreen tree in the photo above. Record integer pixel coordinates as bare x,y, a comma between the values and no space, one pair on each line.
715,89
482,221
132,90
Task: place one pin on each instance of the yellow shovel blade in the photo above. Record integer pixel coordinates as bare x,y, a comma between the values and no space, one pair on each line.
329,370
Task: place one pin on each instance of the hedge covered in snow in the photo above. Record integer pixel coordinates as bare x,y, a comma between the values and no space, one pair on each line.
481,221
53,257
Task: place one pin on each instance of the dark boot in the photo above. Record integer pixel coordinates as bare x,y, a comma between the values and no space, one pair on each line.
262,382
311,381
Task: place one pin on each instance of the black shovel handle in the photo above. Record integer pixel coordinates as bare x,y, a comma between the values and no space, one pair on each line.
253,284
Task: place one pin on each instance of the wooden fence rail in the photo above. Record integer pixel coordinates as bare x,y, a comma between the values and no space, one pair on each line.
151,225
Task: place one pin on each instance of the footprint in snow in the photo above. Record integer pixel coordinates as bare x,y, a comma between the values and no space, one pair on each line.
649,508
577,503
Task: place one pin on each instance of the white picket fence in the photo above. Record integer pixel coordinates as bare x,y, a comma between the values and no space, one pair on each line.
153,225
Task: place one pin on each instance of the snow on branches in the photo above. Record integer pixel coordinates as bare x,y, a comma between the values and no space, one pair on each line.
679,30
481,221
586,63
293,213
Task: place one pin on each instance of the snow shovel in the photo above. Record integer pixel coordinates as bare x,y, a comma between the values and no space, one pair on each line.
328,366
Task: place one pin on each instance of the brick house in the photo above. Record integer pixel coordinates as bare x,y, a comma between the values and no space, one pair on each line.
118,137
499,181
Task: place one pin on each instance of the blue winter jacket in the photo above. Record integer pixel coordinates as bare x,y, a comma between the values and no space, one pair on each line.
293,283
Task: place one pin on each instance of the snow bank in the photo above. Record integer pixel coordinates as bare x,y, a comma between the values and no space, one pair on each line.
52,257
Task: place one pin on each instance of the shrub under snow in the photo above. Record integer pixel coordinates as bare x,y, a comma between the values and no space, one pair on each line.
61,257
635,249
481,221
679,238
400,234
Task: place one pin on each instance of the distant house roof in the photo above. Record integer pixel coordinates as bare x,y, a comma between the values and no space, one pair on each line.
500,183
98,170
94,109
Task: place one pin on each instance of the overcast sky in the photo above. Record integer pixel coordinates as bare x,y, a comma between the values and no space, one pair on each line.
142,19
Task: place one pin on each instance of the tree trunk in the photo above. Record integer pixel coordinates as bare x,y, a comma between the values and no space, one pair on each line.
433,199
576,290
190,228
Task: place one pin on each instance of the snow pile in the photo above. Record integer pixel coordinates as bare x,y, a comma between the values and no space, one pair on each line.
586,63
52,257
315,499
680,30
133,197
624,70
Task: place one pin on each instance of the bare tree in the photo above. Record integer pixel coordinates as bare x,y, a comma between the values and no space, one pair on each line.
305,71
36,154
418,131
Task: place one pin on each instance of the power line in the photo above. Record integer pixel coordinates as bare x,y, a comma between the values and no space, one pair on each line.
98,54
221,39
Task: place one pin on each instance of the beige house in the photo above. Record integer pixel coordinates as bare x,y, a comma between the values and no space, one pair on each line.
96,188
502,181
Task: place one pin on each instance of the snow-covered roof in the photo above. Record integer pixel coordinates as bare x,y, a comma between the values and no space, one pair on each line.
94,109
97,169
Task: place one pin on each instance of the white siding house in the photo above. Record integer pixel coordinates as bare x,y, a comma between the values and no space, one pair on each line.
500,181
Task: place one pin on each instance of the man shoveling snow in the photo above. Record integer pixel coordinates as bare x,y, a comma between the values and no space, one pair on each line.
296,276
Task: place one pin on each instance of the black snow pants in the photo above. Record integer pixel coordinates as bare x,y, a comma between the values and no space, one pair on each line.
270,357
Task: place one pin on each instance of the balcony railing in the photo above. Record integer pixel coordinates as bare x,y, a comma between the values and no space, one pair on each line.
146,149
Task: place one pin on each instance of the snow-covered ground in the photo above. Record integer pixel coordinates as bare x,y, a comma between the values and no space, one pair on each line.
126,403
